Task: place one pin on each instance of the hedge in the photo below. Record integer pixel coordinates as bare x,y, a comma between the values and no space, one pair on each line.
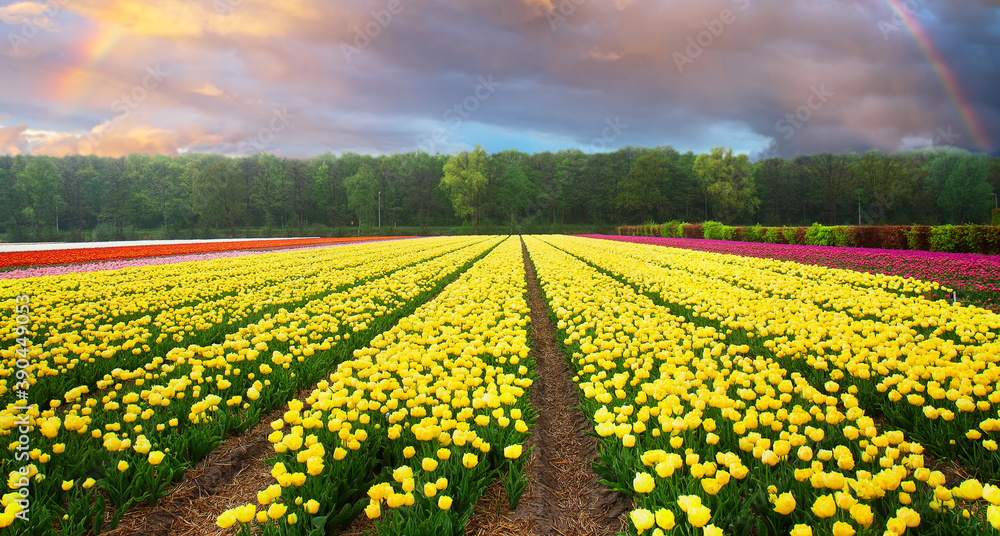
983,239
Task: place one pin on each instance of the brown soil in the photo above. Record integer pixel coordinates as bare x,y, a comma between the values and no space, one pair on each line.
563,496
229,476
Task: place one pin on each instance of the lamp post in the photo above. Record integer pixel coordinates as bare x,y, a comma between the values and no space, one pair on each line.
380,209
859,207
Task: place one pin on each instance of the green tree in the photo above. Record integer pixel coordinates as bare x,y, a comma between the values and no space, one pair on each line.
961,182
639,192
994,175
362,190
834,179
11,202
887,181
512,186
541,170
464,182
772,178
78,207
421,175
267,172
40,185
727,180
220,192
569,175
325,190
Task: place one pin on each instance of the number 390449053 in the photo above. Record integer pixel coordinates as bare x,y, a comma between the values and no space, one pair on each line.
21,309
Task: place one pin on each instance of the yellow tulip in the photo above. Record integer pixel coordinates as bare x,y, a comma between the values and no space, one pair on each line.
642,519
993,516
665,519
373,510
246,513
226,519
824,506
992,494
970,490
843,529
862,514
699,516
312,506
276,510
643,483
910,517
784,504
801,530
712,530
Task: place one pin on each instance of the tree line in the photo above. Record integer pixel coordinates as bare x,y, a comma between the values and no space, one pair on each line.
81,197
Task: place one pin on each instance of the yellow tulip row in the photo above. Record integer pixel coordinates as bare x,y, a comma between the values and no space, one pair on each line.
316,326
117,318
699,426
172,408
941,358
441,397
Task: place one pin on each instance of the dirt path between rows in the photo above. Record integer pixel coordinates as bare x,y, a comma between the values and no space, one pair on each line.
563,496
229,476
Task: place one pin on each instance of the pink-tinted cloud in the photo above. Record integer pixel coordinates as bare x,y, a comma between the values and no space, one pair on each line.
306,76
32,13
10,138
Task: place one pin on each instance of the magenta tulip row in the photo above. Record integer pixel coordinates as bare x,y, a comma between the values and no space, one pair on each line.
151,261
963,271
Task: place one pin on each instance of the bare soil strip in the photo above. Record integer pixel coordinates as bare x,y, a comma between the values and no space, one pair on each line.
229,476
563,496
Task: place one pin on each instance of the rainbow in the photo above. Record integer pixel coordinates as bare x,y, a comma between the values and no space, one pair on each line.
972,123
74,82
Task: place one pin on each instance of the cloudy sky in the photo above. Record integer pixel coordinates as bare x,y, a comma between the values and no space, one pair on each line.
301,77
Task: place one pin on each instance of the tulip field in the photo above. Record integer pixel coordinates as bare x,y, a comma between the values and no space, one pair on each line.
730,393
976,278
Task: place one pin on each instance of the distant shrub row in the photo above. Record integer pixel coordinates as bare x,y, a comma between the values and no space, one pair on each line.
948,238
